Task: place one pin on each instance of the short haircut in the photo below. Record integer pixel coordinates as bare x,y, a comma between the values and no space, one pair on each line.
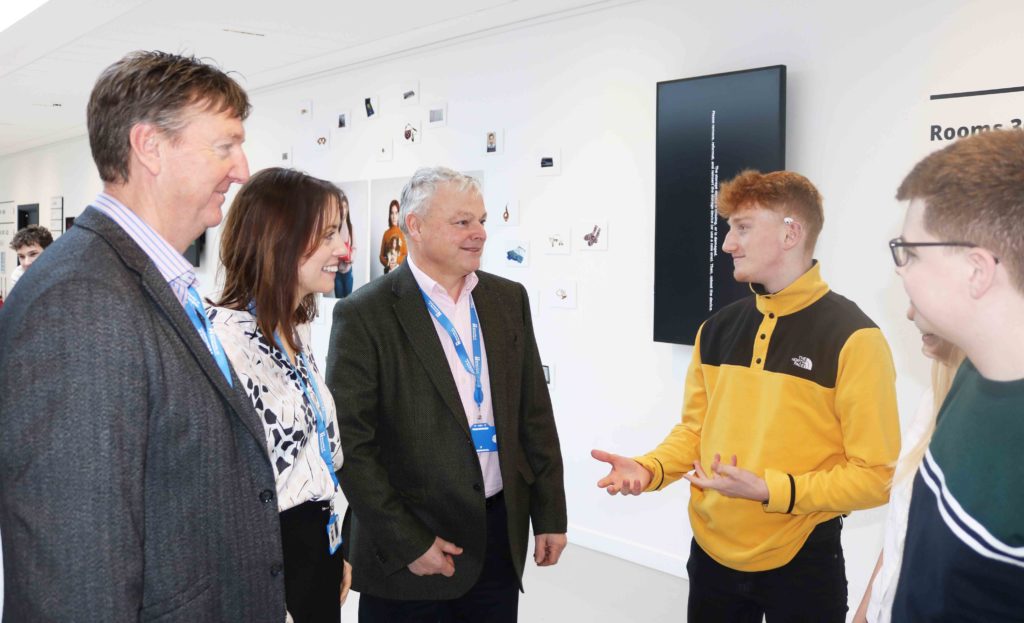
275,221
784,192
156,88
33,234
424,183
974,191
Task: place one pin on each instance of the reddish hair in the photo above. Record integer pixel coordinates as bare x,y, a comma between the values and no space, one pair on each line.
783,192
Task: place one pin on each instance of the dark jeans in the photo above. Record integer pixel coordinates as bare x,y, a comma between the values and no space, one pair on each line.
493,599
312,576
342,284
811,588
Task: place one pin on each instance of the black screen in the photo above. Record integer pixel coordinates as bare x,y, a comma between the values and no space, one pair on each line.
709,129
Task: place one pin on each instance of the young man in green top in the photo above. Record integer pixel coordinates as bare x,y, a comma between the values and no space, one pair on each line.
961,259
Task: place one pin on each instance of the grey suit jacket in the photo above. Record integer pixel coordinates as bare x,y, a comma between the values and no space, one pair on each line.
131,474
411,471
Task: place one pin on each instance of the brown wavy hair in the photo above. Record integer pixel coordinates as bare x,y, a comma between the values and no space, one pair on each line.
275,222
157,88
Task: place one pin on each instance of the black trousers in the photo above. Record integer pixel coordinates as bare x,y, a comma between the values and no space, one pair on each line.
312,576
811,588
494,598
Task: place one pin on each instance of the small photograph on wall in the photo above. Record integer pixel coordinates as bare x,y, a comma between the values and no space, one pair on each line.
548,161
437,115
360,250
560,294
371,107
557,241
387,247
385,151
515,252
504,213
494,142
305,110
321,141
410,93
591,235
342,120
411,133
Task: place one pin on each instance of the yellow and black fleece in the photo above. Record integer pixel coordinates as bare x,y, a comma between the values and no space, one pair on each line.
800,386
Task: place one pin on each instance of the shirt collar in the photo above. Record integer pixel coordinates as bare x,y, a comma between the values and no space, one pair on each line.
429,285
807,289
171,264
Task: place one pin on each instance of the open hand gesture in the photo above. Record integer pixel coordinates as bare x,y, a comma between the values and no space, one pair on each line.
626,477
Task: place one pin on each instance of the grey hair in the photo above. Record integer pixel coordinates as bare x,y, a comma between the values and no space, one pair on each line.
423,184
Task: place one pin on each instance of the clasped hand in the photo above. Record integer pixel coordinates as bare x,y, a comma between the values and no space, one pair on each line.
437,559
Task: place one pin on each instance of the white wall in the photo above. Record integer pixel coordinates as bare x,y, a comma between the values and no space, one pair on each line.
859,78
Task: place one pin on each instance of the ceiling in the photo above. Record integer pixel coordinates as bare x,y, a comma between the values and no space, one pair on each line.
50,59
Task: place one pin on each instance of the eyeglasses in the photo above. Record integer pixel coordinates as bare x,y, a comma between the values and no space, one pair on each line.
899,247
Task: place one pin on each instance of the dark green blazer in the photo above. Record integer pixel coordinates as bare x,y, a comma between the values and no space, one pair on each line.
411,471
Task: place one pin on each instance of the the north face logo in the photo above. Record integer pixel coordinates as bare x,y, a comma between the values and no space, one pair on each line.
803,362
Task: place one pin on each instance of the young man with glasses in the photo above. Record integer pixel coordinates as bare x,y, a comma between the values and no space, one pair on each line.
961,259
789,421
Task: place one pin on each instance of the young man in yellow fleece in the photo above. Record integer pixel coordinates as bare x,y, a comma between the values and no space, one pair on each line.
789,421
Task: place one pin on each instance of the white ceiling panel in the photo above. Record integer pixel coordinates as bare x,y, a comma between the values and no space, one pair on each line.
54,54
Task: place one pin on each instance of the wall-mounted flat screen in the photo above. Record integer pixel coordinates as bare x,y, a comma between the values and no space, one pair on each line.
709,128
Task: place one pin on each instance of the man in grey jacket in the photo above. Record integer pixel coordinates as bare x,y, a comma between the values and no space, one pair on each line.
134,477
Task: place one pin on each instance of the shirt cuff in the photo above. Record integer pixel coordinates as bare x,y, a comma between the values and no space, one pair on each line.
781,491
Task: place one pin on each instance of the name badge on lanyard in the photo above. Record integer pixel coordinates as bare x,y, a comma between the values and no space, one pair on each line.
485,436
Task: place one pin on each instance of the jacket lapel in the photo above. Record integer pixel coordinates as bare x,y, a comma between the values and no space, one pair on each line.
419,329
165,300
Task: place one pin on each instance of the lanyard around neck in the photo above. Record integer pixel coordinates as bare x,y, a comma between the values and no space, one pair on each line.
475,365
316,405
197,314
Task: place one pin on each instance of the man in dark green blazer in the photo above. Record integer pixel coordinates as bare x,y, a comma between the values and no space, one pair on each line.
446,423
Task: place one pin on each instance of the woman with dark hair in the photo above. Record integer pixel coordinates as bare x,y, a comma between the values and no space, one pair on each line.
388,242
280,247
343,280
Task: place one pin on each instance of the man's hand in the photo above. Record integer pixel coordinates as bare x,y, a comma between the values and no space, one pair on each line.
437,559
346,581
548,549
627,476
729,480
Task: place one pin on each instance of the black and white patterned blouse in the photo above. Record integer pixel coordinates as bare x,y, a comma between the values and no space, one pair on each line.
276,392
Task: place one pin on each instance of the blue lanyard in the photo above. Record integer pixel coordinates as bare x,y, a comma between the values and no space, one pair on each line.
473,366
316,406
196,313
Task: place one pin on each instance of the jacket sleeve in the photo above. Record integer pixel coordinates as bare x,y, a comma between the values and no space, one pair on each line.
865,404
539,438
675,455
73,415
353,366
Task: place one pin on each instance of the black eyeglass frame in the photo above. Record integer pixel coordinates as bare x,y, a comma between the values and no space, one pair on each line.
900,243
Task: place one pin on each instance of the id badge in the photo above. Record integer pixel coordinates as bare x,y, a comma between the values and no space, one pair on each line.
485,437
333,533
